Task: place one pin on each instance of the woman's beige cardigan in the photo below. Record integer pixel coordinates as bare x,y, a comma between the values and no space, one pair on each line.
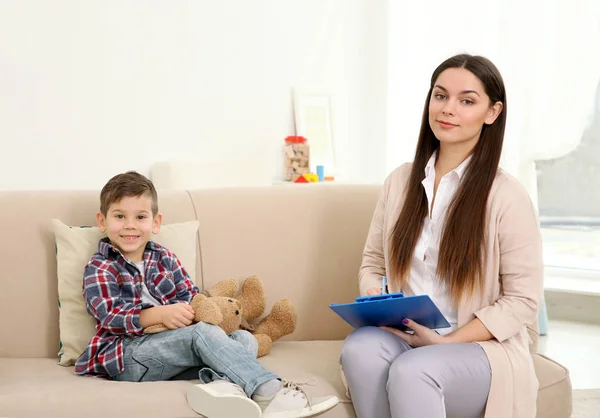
512,287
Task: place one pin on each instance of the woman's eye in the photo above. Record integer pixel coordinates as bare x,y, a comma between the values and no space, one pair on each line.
440,96
468,101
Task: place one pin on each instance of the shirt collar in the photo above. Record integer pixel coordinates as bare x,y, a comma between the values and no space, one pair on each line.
459,171
430,167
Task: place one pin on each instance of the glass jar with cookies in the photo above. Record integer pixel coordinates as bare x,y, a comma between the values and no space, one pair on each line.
296,158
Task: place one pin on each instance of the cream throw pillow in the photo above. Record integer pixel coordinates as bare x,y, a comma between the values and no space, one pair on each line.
74,247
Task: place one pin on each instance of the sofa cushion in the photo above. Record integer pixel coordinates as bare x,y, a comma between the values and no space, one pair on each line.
74,247
41,388
37,387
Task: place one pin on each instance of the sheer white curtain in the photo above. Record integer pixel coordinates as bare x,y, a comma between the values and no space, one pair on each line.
547,51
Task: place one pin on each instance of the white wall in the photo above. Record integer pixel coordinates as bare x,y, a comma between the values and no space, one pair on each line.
90,89
416,48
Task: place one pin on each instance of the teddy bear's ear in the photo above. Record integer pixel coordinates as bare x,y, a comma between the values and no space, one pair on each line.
197,299
207,311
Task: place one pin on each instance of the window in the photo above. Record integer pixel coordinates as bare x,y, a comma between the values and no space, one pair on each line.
569,206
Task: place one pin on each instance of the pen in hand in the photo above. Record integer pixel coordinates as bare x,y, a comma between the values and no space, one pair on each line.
374,291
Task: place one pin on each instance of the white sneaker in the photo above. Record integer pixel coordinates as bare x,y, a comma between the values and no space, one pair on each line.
222,399
292,402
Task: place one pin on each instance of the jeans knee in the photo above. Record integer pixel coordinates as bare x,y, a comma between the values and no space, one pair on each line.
247,340
206,329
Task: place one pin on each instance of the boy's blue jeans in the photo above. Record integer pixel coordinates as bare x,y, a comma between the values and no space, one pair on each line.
167,354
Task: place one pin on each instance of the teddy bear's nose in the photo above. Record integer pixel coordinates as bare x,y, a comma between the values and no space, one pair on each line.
237,312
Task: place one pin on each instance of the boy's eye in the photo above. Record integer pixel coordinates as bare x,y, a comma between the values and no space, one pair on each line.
119,216
141,216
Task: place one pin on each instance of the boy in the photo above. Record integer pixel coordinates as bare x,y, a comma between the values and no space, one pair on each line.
132,283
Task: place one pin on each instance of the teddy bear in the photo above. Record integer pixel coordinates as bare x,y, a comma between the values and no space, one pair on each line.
281,321
218,306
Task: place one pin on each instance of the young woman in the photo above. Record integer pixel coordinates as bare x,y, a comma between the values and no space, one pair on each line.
456,227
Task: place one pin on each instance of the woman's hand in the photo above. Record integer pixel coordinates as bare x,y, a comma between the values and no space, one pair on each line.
422,335
374,291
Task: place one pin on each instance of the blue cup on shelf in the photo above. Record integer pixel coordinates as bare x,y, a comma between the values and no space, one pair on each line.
321,172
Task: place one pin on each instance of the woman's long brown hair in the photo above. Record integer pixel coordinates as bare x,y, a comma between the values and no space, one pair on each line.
461,253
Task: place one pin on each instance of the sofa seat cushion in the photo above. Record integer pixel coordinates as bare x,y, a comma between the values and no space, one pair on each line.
40,387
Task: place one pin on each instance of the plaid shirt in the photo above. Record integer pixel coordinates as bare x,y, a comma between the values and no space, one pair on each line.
113,295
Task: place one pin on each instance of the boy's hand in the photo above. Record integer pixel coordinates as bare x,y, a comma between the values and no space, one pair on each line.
177,315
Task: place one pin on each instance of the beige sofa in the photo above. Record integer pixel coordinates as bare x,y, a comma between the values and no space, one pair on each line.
305,241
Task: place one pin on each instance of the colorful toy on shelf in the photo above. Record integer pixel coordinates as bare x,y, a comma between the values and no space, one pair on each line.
312,177
321,172
307,178
301,179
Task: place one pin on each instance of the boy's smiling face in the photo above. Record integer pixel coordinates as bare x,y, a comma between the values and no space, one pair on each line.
129,224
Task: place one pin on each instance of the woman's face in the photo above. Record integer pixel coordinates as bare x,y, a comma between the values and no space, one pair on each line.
459,107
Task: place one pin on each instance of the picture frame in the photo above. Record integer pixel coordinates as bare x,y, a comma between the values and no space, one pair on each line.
312,116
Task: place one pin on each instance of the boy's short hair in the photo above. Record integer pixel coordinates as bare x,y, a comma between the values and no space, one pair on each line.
127,184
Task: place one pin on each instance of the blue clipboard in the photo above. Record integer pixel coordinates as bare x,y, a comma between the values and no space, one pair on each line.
389,310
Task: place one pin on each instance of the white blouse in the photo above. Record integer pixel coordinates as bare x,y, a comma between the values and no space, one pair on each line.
423,269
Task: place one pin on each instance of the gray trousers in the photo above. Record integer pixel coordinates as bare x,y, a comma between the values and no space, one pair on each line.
387,378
